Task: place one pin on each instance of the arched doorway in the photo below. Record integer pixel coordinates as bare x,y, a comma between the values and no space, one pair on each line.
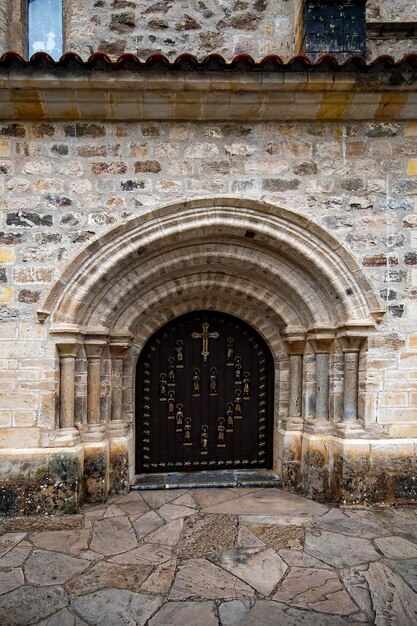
204,396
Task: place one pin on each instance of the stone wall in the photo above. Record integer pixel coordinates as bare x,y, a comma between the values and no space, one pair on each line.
61,184
229,27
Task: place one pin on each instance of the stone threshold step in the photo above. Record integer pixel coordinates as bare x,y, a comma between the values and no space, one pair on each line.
216,478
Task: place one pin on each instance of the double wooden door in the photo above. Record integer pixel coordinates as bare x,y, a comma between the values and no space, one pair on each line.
204,397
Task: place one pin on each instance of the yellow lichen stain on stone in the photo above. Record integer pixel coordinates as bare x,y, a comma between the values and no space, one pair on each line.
6,294
29,110
4,147
268,30
334,106
412,167
390,106
7,255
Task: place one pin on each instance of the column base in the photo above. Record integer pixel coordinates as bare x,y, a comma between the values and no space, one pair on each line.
117,428
61,438
94,432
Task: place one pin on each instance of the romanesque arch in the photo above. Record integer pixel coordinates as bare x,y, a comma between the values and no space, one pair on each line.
275,269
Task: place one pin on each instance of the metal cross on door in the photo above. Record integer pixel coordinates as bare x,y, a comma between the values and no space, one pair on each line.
204,397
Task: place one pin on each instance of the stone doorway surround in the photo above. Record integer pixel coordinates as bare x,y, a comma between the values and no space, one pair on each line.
276,270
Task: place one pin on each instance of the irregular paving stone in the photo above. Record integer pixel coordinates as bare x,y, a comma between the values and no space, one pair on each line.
261,569
207,497
109,607
232,612
296,558
357,586
16,556
339,522
30,604
397,548
407,570
269,502
180,613
339,550
8,541
62,618
134,508
113,511
278,537
207,535
317,589
186,500
393,601
247,539
148,554
158,497
198,578
168,535
52,568
10,580
268,613
160,581
147,523
110,575
112,536
71,542
171,511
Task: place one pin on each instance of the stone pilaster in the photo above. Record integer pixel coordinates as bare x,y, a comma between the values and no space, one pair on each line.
351,345
322,343
93,348
68,349
295,343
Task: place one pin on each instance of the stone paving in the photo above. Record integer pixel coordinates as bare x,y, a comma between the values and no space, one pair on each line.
214,557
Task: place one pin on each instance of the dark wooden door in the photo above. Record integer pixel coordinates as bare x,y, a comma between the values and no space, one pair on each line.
204,397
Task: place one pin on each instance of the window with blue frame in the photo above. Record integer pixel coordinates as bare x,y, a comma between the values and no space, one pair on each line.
45,27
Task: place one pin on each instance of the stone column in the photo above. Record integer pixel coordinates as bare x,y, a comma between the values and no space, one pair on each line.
322,344
93,349
351,347
117,349
67,355
295,346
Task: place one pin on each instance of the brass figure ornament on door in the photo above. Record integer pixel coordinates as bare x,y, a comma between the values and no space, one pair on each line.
163,384
246,385
213,382
196,383
187,441
171,371
230,352
171,404
204,439
238,370
179,354
221,428
238,404
230,417
179,418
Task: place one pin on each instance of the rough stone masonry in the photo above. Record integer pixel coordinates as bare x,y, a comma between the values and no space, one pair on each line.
84,167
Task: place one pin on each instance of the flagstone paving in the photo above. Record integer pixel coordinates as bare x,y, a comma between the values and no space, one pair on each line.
214,557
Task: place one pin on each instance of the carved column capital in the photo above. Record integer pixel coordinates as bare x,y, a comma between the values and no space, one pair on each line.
322,340
295,343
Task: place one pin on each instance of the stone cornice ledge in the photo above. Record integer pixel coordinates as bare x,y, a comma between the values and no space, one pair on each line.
305,93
